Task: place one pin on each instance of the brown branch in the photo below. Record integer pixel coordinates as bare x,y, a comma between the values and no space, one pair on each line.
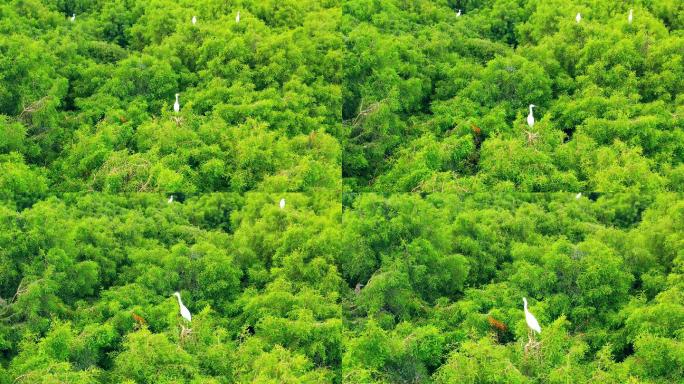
32,108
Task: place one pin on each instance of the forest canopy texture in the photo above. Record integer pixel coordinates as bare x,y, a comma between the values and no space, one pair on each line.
434,101
86,105
341,191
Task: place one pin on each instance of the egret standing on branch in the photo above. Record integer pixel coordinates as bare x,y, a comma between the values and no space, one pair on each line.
578,18
531,322
630,17
282,203
529,318
176,105
530,117
184,311
531,136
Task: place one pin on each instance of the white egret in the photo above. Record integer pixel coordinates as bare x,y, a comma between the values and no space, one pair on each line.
176,105
530,117
578,18
578,196
73,17
184,311
194,20
282,203
529,318
237,17
458,14
630,17
170,199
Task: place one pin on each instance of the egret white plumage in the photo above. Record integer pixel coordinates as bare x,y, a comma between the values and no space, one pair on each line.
529,318
282,203
170,199
458,14
578,196
530,117
194,20
184,311
630,17
578,18
176,105
237,17
73,17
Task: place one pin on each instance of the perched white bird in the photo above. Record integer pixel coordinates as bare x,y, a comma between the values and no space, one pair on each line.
578,18
282,203
170,199
184,311
530,117
194,20
176,105
529,318
73,17
578,196
237,17
630,17
458,14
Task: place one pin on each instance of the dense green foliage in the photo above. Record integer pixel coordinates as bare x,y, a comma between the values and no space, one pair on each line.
87,105
418,207
436,102
445,275
78,273
87,281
